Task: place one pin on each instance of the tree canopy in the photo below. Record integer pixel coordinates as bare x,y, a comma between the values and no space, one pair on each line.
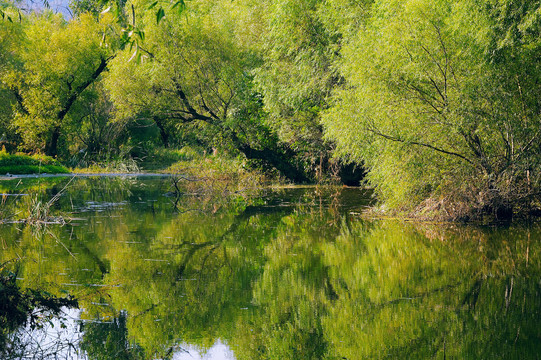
441,107
437,100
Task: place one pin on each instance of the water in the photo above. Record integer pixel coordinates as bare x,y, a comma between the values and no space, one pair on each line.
290,273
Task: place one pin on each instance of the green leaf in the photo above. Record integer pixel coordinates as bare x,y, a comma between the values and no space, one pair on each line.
181,6
181,3
118,14
141,34
151,6
159,15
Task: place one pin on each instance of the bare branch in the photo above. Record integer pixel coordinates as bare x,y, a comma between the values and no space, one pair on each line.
397,139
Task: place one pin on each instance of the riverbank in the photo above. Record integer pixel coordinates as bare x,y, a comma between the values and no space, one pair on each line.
36,176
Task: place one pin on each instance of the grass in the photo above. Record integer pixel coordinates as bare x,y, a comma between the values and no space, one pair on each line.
160,159
17,164
112,166
215,171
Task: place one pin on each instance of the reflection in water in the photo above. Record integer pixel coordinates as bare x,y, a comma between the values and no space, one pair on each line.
280,274
218,351
33,322
109,340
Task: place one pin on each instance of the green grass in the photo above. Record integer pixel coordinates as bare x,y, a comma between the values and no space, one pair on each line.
211,171
112,166
161,159
17,164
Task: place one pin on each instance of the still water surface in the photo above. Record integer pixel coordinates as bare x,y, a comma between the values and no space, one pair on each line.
290,273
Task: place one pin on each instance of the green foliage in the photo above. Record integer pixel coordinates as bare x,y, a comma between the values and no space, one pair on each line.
159,158
194,83
29,164
57,63
109,164
439,99
295,74
90,131
215,172
441,107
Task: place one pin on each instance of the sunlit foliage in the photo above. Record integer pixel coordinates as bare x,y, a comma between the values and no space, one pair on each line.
441,106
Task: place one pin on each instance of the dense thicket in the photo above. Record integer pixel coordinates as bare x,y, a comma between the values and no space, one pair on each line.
442,103
438,99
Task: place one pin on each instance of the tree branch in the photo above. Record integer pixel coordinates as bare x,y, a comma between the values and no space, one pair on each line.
397,139
18,97
82,87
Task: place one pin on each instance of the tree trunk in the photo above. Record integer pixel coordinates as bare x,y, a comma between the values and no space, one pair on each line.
51,148
163,133
276,160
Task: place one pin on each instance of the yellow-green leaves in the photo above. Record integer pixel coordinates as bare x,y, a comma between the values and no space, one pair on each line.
179,7
428,104
57,61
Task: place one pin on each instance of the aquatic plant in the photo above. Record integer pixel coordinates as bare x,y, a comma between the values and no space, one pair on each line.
39,211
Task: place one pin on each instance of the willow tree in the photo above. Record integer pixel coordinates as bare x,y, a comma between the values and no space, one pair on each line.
11,35
194,77
57,62
442,102
296,75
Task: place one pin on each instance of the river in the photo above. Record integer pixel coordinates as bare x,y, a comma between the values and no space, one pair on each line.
276,273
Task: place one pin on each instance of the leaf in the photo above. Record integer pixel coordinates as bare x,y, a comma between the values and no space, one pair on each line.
180,2
106,10
141,34
118,14
181,6
135,53
151,6
159,15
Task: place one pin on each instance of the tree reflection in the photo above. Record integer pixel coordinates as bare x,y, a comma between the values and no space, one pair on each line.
22,312
387,290
108,340
285,275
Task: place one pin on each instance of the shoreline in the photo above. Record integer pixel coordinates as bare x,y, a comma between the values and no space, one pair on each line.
36,176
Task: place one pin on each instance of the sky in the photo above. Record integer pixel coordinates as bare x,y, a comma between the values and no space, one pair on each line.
61,6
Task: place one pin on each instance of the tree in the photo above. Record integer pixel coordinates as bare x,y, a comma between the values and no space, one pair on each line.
195,77
11,36
435,102
91,130
296,75
58,63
